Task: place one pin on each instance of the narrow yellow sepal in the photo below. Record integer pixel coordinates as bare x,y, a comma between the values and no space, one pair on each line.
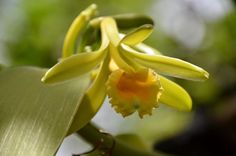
109,26
77,25
175,96
73,66
146,49
167,65
76,65
138,35
93,99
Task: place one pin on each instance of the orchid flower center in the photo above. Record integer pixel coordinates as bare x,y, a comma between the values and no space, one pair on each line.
130,92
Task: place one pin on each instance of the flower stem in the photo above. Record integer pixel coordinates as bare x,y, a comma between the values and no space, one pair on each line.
110,144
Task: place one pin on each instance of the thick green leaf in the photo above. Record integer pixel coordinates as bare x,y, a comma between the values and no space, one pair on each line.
138,35
167,65
34,117
92,100
174,95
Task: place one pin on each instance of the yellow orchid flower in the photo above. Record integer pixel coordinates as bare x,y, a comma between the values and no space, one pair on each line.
128,71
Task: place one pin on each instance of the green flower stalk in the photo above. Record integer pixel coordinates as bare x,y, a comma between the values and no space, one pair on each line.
128,71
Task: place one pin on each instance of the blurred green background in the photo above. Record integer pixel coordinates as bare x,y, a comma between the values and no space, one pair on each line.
202,32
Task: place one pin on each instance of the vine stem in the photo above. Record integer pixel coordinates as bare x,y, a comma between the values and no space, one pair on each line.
109,145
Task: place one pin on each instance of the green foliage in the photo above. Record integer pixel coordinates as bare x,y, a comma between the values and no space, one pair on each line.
34,117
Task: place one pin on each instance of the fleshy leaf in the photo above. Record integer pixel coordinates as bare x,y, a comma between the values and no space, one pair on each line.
92,100
34,118
167,65
138,35
73,66
174,95
75,28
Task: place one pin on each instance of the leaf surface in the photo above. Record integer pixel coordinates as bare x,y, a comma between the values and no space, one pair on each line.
34,117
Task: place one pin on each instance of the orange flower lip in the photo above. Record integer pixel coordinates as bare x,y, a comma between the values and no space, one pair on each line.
131,85
129,92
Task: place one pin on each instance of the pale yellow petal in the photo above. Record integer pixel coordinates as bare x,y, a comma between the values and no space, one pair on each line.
138,35
92,100
174,95
167,65
77,25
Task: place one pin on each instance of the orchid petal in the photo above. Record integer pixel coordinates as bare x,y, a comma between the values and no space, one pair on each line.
75,28
73,66
92,100
175,96
76,65
146,49
109,26
167,65
138,35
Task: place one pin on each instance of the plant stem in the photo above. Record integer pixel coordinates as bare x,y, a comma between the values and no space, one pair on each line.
109,144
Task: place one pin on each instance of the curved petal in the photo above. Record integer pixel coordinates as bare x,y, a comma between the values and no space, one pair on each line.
146,49
109,26
77,65
175,96
73,66
138,35
92,100
141,47
75,28
167,65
